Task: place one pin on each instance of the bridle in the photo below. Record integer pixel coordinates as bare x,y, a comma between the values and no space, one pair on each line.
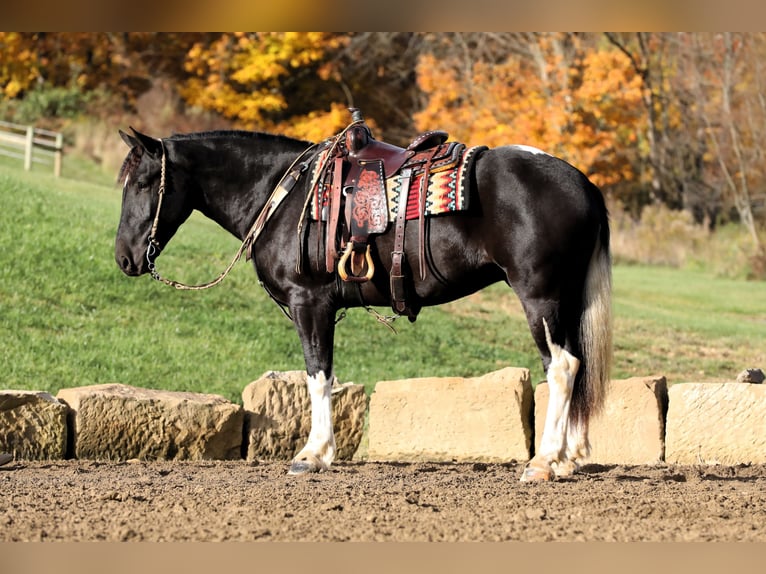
284,186
153,249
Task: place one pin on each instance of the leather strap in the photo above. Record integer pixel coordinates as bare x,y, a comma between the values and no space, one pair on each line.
331,251
422,193
398,296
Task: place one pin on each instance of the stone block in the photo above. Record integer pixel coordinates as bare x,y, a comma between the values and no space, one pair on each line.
120,422
716,423
483,419
278,416
33,425
631,427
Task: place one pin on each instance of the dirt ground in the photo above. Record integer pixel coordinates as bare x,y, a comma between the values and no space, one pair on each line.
364,501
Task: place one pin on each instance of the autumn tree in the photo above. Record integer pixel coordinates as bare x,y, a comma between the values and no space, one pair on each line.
563,93
273,81
377,73
18,64
727,77
120,67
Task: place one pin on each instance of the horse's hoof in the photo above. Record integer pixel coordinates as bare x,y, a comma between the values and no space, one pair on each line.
306,464
566,468
537,473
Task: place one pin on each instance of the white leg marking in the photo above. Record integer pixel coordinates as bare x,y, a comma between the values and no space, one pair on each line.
577,449
553,445
321,437
561,373
578,445
319,451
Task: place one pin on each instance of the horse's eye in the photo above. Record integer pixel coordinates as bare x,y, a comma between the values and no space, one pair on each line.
143,185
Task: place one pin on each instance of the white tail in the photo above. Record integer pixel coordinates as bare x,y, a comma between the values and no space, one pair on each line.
595,335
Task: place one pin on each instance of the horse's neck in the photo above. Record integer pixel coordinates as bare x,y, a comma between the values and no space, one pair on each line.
238,191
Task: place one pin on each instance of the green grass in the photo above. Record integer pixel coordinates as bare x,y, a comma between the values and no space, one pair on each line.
69,317
688,325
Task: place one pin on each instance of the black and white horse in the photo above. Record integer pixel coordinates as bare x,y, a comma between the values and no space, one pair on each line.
533,221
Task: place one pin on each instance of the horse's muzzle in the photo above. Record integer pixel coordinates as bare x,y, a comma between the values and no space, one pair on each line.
127,262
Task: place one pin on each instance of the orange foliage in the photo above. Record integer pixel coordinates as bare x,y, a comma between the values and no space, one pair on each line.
585,112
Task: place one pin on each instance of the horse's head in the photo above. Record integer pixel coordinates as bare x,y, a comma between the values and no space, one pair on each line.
146,212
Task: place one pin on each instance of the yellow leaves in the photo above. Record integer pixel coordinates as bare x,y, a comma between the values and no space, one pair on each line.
242,75
315,126
18,64
12,88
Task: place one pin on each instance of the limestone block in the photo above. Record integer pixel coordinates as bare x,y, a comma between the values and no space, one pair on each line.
716,423
631,427
120,422
278,416
485,419
33,425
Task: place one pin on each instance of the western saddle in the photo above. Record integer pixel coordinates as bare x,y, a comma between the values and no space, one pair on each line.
355,174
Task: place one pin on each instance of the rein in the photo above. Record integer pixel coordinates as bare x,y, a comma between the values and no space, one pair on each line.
285,185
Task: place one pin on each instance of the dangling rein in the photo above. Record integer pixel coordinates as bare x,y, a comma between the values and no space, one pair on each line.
285,185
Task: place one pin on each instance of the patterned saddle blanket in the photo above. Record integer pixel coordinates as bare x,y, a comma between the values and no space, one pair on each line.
447,190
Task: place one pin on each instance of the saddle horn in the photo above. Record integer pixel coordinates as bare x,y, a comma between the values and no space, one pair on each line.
356,115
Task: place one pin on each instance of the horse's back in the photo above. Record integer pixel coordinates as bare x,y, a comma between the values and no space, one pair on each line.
524,176
541,210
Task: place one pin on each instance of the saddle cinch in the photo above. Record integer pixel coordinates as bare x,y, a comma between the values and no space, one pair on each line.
356,176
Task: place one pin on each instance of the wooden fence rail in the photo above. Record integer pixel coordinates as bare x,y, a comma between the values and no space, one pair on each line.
32,144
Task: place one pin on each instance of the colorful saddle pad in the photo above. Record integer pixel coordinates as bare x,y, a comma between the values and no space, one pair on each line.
447,190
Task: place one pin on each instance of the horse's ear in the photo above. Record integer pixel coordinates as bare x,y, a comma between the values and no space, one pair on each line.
128,139
150,144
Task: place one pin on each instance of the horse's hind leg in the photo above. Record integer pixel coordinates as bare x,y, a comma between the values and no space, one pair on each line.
553,456
578,447
316,331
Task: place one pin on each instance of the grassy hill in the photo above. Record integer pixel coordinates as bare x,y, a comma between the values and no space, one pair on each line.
68,317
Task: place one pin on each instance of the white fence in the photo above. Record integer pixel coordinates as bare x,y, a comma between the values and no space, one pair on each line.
32,144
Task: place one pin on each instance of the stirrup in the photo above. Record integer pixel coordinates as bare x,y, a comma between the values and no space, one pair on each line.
354,278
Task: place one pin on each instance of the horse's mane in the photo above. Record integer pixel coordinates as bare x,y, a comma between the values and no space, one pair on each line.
134,155
244,134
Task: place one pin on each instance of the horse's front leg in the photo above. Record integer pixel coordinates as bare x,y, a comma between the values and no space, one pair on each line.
316,328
